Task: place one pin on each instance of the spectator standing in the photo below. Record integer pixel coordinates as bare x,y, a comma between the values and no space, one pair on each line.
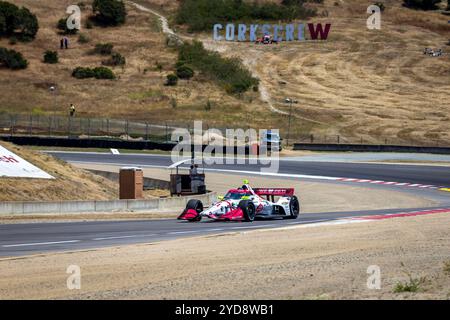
72,110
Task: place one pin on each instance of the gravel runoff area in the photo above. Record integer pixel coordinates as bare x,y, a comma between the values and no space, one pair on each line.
321,262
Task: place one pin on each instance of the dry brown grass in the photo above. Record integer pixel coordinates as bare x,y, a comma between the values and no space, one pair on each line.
358,84
71,183
138,94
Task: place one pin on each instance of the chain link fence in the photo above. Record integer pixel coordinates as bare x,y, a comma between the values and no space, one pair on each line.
48,125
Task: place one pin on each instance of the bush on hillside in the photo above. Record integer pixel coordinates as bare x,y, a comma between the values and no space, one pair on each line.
17,22
421,4
98,73
109,12
229,72
104,73
50,57
184,72
116,60
172,80
104,48
201,15
12,59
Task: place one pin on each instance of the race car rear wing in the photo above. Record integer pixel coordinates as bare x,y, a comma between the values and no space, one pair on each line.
279,192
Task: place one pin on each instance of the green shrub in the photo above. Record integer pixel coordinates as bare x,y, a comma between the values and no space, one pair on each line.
184,72
104,73
50,57
229,72
104,48
83,38
421,4
62,26
116,60
83,73
98,73
413,285
109,12
12,59
201,15
172,80
12,41
17,22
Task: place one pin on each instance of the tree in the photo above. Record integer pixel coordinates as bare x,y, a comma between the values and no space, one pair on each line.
421,4
17,22
109,12
27,24
12,59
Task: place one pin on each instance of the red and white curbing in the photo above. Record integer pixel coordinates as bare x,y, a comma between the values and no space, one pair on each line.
403,214
391,183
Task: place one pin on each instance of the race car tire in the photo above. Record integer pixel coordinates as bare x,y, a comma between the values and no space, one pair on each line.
196,205
294,208
248,210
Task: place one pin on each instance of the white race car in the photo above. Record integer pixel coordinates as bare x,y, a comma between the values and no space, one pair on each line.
246,204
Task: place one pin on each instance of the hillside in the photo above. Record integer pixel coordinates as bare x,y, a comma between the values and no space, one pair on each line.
70,183
374,85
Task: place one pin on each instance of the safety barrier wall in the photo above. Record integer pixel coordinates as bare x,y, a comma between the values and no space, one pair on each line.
63,207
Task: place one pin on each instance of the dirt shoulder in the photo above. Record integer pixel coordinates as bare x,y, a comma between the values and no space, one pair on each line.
327,262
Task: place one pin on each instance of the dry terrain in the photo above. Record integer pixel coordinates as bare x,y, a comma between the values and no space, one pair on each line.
70,183
327,262
138,93
360,84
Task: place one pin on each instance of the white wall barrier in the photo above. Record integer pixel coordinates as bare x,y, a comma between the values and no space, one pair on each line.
63,207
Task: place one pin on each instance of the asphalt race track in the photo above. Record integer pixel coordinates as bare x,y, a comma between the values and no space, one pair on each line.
34,238
432,175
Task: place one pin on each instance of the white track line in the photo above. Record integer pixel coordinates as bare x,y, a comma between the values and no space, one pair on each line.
38,243
123,237
183,232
